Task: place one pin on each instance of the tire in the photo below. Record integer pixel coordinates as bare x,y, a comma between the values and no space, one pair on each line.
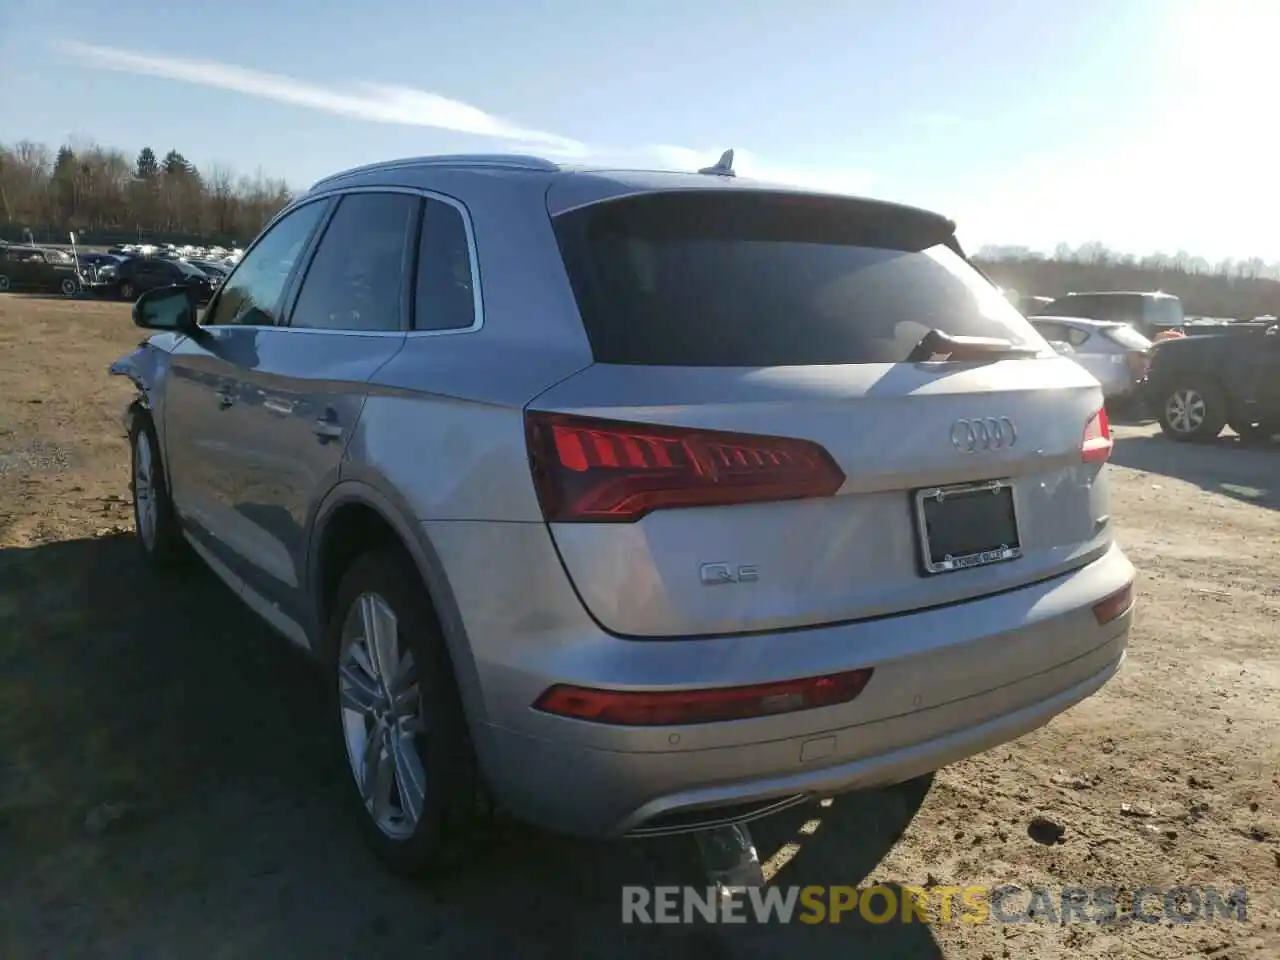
127,290
4,283
155,524
425,741
1192,411
68,287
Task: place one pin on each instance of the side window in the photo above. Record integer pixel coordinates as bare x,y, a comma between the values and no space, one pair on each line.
356,280
444,298
251,295
1121,309
1051,331
1076,337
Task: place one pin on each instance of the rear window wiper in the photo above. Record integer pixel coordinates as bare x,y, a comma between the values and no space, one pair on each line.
937,345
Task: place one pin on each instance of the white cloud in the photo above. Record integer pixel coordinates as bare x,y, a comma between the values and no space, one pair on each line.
412,107
368,101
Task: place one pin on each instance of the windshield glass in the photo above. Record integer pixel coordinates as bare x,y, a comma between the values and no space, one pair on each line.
1127,337
1164,312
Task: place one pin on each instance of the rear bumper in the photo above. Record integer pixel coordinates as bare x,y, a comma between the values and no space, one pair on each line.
949,682
611,794
1122,386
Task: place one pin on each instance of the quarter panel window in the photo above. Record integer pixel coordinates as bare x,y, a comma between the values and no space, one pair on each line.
356,280
1050,331
251,294
444,298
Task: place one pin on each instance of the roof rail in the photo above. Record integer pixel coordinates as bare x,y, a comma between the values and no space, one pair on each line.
511,161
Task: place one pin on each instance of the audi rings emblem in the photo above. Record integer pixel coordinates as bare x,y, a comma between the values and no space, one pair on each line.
983,433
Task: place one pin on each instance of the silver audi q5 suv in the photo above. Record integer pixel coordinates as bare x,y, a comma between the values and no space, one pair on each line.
632,502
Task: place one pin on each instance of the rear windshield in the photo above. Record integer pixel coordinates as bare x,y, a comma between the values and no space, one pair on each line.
756,279
1164,312
1118,307
1127,337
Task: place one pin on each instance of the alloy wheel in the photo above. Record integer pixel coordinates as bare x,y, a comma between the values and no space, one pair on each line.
1185,411
382,716
144,492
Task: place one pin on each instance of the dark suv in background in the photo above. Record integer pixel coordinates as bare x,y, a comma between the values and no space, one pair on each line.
1198,385
136,275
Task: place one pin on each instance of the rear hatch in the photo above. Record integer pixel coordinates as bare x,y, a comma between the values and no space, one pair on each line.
761,442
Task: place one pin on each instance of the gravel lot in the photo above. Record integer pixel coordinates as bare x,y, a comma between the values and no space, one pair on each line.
164,791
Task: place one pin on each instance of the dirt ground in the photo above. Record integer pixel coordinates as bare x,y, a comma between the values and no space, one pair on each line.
165,790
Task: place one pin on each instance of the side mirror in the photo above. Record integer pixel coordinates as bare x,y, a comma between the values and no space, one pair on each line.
167,308
1062,347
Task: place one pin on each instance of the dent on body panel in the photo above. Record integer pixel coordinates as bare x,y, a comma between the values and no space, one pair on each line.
145,364
451,458
444,424
147,367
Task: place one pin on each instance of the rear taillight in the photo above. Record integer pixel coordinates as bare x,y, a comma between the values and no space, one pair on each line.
606,471
1096,447
639,708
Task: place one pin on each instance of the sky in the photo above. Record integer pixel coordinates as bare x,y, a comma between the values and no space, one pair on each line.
1145,124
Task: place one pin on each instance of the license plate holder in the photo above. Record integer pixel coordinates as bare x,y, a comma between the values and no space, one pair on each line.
967,525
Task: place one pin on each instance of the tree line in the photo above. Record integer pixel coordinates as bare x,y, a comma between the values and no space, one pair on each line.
107,196
1098,254
1238,289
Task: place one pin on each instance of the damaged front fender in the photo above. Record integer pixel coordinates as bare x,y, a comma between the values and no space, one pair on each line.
137,366
144,368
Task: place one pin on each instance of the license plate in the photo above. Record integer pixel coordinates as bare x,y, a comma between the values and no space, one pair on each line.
972,525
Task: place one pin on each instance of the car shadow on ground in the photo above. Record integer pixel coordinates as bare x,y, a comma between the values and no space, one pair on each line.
1129,417
1226,466
167,777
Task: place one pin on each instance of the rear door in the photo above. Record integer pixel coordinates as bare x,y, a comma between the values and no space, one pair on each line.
775,316
1259,361
302,396
149,273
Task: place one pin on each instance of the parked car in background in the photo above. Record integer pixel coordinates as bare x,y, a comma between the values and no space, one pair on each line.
1198,385
658,524
1115,353
1031,305
1148,313
91,263
218,271
135,275
37,270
